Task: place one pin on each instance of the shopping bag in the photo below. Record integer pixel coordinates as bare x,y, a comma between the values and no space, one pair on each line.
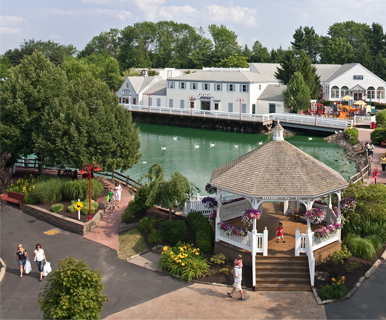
47,269
27,267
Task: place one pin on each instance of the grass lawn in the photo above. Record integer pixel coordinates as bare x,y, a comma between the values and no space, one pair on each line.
130,243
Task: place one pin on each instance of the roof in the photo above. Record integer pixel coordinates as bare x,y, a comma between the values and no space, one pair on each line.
139,83
326,70
225,76
277,169
157,89
341,71
273,92
266,70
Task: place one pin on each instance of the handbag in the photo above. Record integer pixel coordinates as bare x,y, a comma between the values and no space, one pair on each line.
27,267
47,269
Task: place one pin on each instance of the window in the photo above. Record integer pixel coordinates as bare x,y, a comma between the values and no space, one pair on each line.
231,87
134,100
216,105
344,91
205,105
182,85
243,88
259,86
334,92
380,93
243,108
370,93
254,109
218,87
205,86
171,103
158,102
230,107
169,73
194,86
171,84
150,101
127,84
272,108
182,104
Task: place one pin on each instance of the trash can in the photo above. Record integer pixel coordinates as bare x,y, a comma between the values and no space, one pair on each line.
372,125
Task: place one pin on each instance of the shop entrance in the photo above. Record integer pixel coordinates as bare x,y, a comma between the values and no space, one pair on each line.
205,105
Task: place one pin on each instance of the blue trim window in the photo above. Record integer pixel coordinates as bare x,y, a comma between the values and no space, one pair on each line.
206,86
230,107
182,104
158,102
244,88
182,85
171,84
218,87
170,103
231,87
193,86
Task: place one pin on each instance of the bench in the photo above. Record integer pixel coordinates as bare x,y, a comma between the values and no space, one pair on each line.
13,197
299,212
383,143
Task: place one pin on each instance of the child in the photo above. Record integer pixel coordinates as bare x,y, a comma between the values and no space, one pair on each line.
237,276
112,203
280,233
109,197
240,260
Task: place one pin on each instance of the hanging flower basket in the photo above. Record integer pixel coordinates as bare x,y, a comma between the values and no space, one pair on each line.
342,218
249,215
327,231
347,205
316,215
209,202
210,189
231,229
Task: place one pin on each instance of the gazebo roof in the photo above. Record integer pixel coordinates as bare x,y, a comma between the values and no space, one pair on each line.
277,169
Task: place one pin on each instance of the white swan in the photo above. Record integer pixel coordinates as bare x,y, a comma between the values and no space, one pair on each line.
260,143
309,139
144,162
236,145
163,148
211,144
174,138
196,146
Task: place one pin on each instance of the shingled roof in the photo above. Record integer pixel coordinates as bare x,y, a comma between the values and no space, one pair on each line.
277,169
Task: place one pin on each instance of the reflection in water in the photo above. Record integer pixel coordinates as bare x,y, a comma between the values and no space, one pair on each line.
195,153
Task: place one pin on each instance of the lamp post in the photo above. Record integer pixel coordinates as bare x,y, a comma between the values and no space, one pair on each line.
240,100
88,171
191,98
149,94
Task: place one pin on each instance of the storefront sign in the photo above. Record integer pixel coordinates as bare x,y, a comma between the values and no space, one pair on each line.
126,92
358,77
205,96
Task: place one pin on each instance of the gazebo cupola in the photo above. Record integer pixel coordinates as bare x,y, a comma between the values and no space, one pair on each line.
278,132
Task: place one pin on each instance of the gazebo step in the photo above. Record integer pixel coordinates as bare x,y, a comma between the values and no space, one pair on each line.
282,274
281,287
292,280
275,269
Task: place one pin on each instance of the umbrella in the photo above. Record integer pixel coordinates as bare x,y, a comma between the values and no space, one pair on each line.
360,103
347,98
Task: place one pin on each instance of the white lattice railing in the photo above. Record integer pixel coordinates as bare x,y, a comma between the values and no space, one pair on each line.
234,210
330,216
235,240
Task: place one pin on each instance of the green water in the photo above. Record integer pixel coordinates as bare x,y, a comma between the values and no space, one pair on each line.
189,151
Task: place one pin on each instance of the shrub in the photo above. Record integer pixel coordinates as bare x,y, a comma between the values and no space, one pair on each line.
225,271
85,209
174,231
351,267
353,132
376,241
380,117
339,256
353,141
23,185
138,205
359,247
155,236
57,207
184,260
79,189
336,290
47,191
219,258
73,291
202,229
128,215
378,135
71,207
147,224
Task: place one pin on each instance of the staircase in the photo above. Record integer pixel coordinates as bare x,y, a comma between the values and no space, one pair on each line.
282,273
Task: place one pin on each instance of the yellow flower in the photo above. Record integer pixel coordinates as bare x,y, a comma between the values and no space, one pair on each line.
185,247
333,279
338,283
343,278
182,264
165,248
197,253
162,252
181,249
179,261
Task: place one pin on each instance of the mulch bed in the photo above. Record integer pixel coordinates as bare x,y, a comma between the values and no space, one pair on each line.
326,271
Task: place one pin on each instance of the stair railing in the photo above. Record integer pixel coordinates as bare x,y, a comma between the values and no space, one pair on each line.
310,255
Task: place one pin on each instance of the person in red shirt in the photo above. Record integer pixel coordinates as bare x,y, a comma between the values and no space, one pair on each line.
280,233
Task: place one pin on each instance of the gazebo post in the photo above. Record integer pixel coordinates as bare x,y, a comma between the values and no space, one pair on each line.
218,219
339,220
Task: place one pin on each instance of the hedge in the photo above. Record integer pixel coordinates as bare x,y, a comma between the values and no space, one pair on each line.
378,135
202,229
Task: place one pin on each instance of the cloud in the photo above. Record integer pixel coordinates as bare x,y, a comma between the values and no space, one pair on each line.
97,13
234,14
12,25
104,2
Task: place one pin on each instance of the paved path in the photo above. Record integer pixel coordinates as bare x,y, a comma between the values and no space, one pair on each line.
364,136
107,231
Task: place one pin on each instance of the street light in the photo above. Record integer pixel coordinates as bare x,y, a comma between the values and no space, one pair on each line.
191,98
241,100
88,171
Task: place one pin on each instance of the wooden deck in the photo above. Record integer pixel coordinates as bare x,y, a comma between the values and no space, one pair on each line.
272,215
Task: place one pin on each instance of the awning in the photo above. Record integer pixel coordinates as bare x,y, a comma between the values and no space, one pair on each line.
347,98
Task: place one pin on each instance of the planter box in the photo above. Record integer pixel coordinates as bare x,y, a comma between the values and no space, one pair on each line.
63,222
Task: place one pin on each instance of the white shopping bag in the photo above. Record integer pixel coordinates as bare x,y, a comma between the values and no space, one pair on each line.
27,267
47,269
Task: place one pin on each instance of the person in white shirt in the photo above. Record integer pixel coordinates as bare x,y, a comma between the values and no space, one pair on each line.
40,259
237,276
117,193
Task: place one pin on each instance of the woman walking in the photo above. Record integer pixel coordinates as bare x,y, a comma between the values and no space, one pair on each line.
117,193
21,258
40,259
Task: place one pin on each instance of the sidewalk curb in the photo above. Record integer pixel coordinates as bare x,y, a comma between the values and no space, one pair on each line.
2,269
367,275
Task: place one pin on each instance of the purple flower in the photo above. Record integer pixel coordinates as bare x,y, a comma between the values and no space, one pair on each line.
209,202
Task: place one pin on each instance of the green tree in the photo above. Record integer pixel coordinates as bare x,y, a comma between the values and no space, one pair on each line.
297,95
73,291
380,66
106,43
306,39
5,65
288,66
169,194
336,51
308,72
31,89
225,42
247,53
260,53
277,56
380,117
234,61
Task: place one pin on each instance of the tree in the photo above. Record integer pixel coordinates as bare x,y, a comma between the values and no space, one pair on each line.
26,96
277,56
225,42
308,72
5,65
168,193
297,95
5,175
380,117
106,43
247,53
308,41
234,61
336,51
288,66
260,53
73,291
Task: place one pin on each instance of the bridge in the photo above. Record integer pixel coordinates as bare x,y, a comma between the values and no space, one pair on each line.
286,119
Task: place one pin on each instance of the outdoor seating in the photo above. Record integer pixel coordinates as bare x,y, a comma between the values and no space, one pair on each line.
383,143
300,212
13,197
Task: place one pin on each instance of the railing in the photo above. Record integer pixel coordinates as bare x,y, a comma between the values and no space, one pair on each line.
300,242
235,240
330,216
310,255
318,243
361,175
362,120
284,117
233,210
114,175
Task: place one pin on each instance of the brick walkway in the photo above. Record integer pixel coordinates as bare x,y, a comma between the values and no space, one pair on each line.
364,136
107,231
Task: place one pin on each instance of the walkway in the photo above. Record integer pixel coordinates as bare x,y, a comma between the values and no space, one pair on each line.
107,231
364,136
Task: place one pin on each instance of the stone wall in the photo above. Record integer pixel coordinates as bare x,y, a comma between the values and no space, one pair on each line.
63,222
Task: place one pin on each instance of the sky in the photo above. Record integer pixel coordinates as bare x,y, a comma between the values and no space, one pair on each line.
272,22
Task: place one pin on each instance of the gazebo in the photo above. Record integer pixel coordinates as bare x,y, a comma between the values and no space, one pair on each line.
276,172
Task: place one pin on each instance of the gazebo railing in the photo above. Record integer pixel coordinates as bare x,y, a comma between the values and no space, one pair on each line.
330,216
238,241
233,210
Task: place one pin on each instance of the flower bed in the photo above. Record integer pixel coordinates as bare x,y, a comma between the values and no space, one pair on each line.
232,229
327,231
